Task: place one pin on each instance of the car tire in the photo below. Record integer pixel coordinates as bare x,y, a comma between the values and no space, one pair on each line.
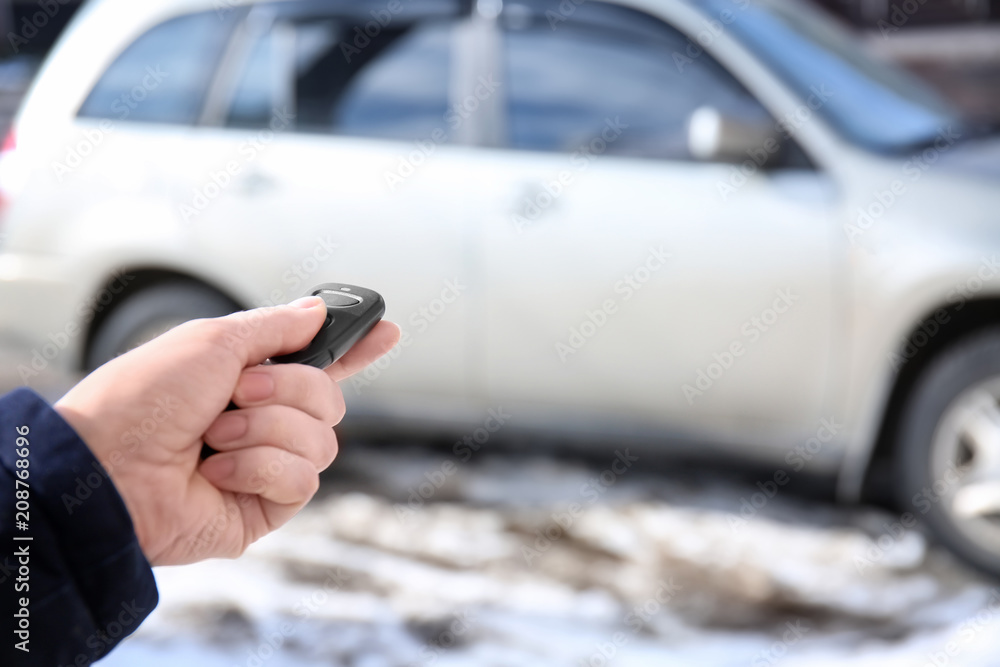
151,311
948,449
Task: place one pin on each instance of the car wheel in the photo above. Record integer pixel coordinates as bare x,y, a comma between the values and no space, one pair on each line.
143,316
948,458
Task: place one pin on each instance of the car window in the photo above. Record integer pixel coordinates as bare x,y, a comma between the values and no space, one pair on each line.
877,105
395,86
570,76
163,76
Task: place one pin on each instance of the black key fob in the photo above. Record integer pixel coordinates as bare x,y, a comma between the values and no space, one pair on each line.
351,312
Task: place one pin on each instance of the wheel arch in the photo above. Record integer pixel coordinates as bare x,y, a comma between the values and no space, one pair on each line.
924,342
127,282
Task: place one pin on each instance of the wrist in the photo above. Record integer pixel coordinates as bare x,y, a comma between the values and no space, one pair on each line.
113,463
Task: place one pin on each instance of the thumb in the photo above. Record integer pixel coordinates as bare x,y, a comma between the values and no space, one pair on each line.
256,335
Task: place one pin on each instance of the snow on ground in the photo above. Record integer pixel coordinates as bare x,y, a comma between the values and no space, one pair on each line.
514,560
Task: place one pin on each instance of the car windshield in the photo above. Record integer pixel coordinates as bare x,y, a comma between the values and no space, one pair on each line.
871,103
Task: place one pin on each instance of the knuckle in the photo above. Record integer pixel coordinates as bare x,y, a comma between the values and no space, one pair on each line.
307,484
214,333
322,450
312,387
314,391
332,448
298,383
337,405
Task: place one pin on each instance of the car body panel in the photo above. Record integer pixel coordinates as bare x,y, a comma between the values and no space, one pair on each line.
523,288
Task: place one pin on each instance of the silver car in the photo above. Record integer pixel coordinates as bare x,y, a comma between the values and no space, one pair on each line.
710,225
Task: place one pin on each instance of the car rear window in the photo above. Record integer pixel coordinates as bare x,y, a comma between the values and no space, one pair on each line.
163,76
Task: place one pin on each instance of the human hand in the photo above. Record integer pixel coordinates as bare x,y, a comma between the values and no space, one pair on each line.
146,414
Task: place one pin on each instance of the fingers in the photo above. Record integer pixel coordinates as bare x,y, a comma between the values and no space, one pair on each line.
302,387
377,343
275,426
272,473
255,335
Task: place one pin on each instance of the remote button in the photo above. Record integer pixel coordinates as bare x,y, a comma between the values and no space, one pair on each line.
339,299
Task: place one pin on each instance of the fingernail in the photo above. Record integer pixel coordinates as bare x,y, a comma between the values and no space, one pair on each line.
227,428
306,302
255,386
220,467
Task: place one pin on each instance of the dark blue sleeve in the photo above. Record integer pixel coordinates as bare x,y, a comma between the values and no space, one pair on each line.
74,580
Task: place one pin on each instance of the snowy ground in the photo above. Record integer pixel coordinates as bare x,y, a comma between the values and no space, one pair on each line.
499,567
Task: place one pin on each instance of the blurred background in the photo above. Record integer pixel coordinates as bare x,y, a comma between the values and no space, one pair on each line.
700,361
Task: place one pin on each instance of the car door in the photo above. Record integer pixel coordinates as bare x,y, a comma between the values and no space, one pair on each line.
626,282
337,160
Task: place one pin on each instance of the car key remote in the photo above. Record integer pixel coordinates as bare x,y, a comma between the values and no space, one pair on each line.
351,312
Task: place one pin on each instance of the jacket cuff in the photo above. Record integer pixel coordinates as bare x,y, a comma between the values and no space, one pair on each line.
75,503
